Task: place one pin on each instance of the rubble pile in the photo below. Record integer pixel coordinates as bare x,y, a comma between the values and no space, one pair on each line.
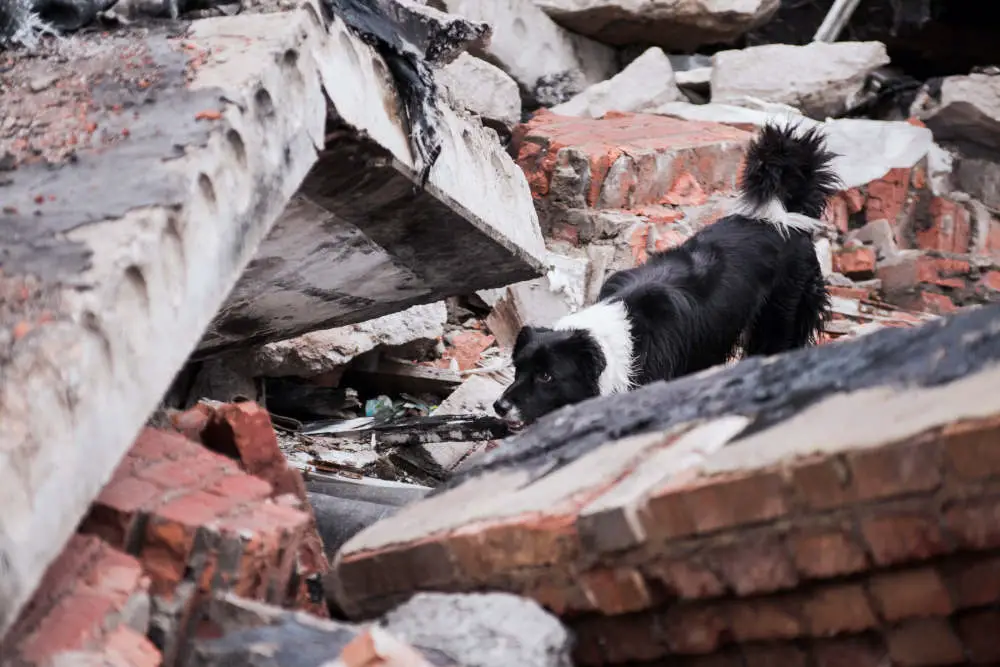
290,245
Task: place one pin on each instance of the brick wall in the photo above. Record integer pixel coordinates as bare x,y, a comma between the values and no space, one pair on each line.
851,546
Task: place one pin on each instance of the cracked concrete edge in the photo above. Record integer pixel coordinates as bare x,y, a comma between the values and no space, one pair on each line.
75,396
471,156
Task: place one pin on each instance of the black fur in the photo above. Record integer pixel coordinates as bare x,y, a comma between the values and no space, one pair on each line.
738,281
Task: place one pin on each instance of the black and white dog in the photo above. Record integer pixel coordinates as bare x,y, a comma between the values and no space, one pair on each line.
750,280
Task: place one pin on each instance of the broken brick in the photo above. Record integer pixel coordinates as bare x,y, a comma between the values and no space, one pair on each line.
856,263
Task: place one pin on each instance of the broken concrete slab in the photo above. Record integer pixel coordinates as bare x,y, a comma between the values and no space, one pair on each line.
484,90
677,26
440,37
550,63
648,82
977,172
385,245
319,352
101,282
962,108
823,82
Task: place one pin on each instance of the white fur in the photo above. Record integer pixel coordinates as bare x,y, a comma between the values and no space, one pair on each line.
774,213
609,324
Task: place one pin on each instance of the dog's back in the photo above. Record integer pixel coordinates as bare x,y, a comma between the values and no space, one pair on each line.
751,278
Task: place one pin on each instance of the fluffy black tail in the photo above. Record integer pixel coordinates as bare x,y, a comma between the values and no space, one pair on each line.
788,177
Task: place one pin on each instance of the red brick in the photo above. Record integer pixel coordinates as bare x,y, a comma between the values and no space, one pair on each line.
694,629
467,347
768,618
928,302
975,583
894,470
848,652
949,230
686,578
843,608
483,551
910,594
156,445
972,449
822,483
112,515
242,488
991,281
774,655
975,524
605,640
616,591
709,504
754,564
855,293
856,263
903,536
704,153
72,624
924,643
980,632
836,213
821,555
191,473
887,197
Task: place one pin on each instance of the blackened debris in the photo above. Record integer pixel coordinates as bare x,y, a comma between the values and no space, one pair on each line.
412,75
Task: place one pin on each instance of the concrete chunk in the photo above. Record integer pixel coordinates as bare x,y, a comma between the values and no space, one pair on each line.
966,108
676,25
352,249
646,83
322,351
484,90
820,79
549,63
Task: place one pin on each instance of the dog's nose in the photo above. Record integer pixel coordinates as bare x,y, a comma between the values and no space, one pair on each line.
502,406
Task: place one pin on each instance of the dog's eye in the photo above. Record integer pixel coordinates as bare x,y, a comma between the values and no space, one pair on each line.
544,377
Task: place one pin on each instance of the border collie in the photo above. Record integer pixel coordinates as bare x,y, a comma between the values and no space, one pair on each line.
750,280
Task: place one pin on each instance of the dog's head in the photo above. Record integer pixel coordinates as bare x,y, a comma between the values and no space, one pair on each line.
552,369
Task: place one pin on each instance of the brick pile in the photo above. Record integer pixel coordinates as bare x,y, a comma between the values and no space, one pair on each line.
623,186
186,523
835,537
93,602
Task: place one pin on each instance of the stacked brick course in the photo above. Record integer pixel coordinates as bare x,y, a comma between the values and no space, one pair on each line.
814,542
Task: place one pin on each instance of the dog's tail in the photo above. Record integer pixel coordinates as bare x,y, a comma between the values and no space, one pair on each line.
788,178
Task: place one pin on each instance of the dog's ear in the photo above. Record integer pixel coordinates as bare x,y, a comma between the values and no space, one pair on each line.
582,346
524,337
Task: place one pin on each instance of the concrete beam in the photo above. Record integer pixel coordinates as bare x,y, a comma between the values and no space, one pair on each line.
362,241
130,212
